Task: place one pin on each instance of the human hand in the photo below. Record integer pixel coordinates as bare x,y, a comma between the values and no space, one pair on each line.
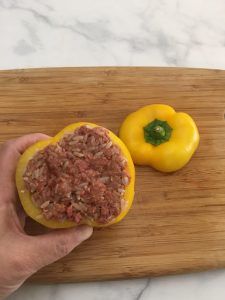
22,255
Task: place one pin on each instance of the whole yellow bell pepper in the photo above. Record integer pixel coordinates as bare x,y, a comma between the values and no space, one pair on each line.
158,136
35,212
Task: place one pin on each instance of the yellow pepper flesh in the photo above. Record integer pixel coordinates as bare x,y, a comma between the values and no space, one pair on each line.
35,212
170,155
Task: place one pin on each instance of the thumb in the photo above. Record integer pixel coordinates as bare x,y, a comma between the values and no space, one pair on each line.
45,249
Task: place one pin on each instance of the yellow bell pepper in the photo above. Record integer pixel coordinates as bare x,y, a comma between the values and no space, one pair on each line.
35,212
158,136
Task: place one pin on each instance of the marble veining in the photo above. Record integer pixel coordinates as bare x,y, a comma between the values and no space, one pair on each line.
126,32
53,33
205,286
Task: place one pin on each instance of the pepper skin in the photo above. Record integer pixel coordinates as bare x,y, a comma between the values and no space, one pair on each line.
158,136
35,213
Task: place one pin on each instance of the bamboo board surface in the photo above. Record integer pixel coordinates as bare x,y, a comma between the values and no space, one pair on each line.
177,222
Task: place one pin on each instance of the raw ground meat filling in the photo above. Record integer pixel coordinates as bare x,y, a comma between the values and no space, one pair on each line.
83,176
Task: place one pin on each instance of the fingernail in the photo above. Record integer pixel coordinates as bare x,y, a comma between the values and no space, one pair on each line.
84,232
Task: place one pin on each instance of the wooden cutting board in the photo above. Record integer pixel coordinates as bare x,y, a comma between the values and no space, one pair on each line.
177,222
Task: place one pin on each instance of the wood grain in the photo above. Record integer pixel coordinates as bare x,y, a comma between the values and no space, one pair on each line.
177,222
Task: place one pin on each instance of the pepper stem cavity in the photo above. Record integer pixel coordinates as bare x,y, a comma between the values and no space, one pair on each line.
157,132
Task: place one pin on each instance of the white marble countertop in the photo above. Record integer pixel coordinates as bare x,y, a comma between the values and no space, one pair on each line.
191,33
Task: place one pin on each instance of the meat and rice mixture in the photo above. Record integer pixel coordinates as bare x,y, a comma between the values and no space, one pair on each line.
83,176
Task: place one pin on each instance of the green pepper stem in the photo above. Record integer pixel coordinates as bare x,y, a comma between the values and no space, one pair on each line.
157,132
160,131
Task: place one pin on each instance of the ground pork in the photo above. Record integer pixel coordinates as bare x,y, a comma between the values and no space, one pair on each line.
82,176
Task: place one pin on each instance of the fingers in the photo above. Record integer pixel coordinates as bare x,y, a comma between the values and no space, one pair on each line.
11,150
20,144
9,155
45,249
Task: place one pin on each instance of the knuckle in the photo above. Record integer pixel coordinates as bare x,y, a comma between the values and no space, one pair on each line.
62,247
